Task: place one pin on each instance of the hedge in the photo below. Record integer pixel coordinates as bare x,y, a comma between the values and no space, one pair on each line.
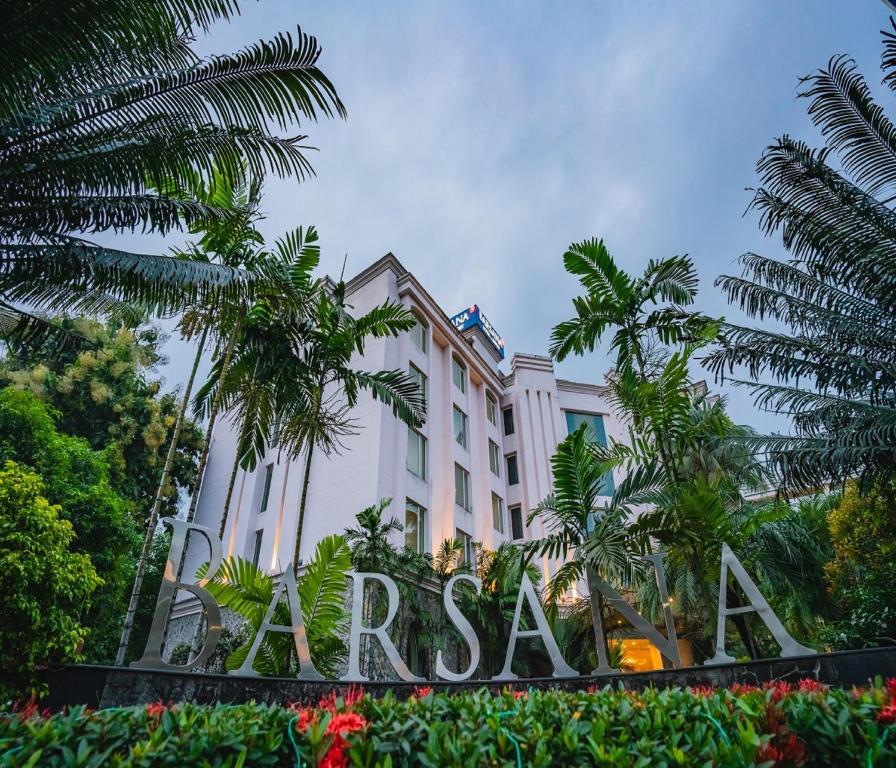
774,725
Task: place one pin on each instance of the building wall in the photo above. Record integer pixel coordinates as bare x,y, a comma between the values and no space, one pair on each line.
373,462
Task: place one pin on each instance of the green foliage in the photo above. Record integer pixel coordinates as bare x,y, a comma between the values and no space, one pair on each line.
608,727
102,103
104,393
830,368
45,585
77,479
863,570
248,590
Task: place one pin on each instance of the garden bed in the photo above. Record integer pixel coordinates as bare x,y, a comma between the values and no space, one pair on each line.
775,724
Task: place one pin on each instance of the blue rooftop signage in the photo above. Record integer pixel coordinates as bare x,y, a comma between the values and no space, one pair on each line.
473,316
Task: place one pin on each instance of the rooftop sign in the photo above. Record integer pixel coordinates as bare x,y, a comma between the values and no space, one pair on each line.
473,316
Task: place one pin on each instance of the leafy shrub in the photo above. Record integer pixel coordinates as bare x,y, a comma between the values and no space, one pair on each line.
774,725
44,586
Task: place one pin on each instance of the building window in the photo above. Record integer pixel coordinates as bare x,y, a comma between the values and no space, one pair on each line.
494,458
491,409
462,496
256,550
594,428
458,374
516,522
513,470
266,490
414,527
460,427
465,556
420,378
416,454
418,335
498,512
508,421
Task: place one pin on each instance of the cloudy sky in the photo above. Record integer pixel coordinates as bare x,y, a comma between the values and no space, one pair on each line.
483,137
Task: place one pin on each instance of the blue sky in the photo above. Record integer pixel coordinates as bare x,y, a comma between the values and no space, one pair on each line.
482,138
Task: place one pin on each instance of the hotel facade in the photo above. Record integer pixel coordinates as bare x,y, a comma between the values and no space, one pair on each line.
472,471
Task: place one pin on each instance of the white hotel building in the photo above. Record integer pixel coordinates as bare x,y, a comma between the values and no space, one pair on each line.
472,471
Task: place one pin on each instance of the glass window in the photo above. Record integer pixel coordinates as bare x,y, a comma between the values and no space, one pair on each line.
256,550
465,556
414,527
458,374
508,421
418,376
513,470
498,512
494,458
416,454
266,490
460,427
594,427
491,409
516,522
418,336
462,495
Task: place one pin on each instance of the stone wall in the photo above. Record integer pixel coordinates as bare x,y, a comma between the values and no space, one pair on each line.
115,686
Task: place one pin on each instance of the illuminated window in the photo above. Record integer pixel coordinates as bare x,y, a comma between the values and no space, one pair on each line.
491,409
458,374
498,512
414,527
460,427
462,495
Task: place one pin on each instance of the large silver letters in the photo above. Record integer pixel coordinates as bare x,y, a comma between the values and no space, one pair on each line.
789,646
380,633
527,592
306,666
152,656
668,646
463,626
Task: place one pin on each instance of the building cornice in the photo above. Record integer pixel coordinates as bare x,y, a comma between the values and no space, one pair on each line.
581,387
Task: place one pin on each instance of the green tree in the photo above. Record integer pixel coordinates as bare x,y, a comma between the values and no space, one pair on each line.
77,480
106,394
45,586
101,103
862,571
825,352
316,414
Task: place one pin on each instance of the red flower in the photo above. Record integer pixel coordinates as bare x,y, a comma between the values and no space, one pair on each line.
890,685
779,689
346,722
739,689
520,694
786,751
354,694
703,690
156,709
809,685
29,709
887,715
306,716
422,691
341,724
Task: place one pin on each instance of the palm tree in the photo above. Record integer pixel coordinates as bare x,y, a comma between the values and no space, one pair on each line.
591,539
317,412
248,590
832,366
102,101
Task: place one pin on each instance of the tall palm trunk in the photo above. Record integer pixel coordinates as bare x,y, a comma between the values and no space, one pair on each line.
232,482
212,418
156,506
305,482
